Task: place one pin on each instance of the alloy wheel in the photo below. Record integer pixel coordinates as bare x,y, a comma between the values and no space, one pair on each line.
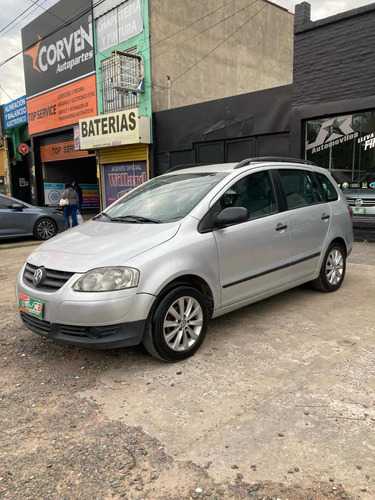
335,267
45,230
183,324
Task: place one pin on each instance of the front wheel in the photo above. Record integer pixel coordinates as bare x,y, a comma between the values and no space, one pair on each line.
178,325
333,269
44,229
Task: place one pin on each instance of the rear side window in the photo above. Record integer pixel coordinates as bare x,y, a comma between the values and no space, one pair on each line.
300,187
328,187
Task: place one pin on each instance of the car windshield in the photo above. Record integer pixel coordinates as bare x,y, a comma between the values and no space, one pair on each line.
163,199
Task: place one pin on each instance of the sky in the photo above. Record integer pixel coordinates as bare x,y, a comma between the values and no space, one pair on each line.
11,74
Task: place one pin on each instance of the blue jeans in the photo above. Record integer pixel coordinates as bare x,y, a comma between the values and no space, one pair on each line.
71,210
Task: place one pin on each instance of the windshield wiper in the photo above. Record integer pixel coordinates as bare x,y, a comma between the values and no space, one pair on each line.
102,214
135,218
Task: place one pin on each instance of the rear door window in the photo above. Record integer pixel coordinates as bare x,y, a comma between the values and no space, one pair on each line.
300,188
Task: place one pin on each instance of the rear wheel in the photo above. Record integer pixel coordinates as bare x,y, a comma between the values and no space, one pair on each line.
178,325
332,272
44,229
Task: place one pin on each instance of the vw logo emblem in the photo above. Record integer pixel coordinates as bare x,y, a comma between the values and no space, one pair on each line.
39,275
358,202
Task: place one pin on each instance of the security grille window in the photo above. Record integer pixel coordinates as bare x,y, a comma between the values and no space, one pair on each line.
118,74
345,145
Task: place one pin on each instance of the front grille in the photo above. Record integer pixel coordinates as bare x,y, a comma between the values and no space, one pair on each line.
44,328
366,202
35,324
54,279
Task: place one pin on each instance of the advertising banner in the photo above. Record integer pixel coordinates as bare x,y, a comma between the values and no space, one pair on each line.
15,113
120,178
58,46
54,191
119,24
64,106
90,193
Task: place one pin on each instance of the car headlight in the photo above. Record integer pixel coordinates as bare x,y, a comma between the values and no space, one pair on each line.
105,279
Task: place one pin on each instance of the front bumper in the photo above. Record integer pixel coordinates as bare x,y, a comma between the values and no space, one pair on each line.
97,337
100,320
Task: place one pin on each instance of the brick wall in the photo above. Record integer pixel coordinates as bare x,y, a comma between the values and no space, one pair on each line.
334,59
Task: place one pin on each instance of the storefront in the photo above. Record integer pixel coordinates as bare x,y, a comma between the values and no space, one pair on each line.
63,163
333,112
122,140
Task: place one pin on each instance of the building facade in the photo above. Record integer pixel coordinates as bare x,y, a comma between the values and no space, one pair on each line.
59,64
207,51
333,114
121,134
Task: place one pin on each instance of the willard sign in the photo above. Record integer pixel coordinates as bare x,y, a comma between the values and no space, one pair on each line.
59,62
114,129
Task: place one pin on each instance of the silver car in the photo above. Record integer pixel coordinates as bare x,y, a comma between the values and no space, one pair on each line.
18,218
190,245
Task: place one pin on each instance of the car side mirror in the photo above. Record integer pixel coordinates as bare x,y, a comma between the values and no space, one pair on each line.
17,207
230,216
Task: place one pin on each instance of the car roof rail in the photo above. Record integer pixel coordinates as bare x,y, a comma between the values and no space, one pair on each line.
260,159
187,165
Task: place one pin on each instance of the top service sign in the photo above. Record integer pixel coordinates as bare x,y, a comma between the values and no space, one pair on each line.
57,52
15,113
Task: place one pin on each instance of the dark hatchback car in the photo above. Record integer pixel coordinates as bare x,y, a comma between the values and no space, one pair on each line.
18,218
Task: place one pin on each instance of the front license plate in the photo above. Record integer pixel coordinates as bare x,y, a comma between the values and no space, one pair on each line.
30,306
359,211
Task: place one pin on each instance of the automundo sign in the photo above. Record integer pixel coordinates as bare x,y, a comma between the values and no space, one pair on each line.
58,46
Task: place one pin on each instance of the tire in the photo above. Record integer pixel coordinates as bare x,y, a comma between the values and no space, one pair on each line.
45,229
178,325
332,272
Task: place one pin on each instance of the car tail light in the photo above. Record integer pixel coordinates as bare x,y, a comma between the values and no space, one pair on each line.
350,211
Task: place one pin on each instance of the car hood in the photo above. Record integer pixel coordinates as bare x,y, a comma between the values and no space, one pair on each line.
99,244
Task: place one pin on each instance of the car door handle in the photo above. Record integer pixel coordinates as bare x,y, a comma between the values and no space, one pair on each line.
281,227
324,217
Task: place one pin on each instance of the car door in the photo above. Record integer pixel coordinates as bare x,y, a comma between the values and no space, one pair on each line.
309,216
253,255
13,222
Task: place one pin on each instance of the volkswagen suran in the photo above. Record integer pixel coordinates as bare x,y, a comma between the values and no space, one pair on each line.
184,247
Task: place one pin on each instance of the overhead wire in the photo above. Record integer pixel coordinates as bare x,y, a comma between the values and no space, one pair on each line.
161,88
19,15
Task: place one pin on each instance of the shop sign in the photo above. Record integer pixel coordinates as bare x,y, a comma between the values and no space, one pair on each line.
120,178
326,139
23,148
15,113
61,151
115,129
119,24
368,141
62,107
57,53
